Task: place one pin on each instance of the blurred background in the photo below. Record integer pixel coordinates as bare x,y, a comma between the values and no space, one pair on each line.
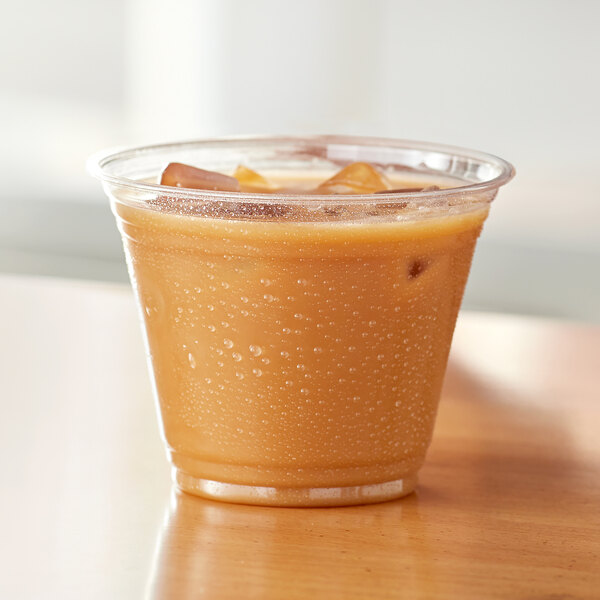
517,78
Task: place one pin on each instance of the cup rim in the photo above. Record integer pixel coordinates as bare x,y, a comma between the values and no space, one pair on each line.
97,166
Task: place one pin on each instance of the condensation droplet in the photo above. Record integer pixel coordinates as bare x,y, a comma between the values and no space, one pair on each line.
227,343
255,350
191,360
236,356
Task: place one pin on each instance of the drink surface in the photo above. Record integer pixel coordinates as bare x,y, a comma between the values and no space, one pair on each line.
298,354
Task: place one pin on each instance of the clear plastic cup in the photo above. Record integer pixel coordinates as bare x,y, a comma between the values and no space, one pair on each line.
298,343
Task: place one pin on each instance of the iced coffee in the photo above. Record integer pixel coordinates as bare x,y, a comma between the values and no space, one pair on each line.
298,319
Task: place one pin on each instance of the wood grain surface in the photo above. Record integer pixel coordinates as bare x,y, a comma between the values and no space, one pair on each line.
507,505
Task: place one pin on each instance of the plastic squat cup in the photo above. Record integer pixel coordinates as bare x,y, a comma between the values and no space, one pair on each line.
298,343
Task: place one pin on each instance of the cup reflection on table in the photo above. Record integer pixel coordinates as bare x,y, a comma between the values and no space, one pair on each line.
215,549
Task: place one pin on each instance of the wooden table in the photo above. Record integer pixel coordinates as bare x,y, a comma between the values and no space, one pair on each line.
508,505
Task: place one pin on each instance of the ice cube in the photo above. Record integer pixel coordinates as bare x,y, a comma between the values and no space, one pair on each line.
251,181
185,176
356,178
416,267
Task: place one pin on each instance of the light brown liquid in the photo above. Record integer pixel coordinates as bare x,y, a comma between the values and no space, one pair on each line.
298,355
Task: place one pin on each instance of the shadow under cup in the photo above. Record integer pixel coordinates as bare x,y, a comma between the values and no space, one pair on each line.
298,343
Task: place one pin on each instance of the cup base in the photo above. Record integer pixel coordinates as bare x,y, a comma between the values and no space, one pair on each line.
295,496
